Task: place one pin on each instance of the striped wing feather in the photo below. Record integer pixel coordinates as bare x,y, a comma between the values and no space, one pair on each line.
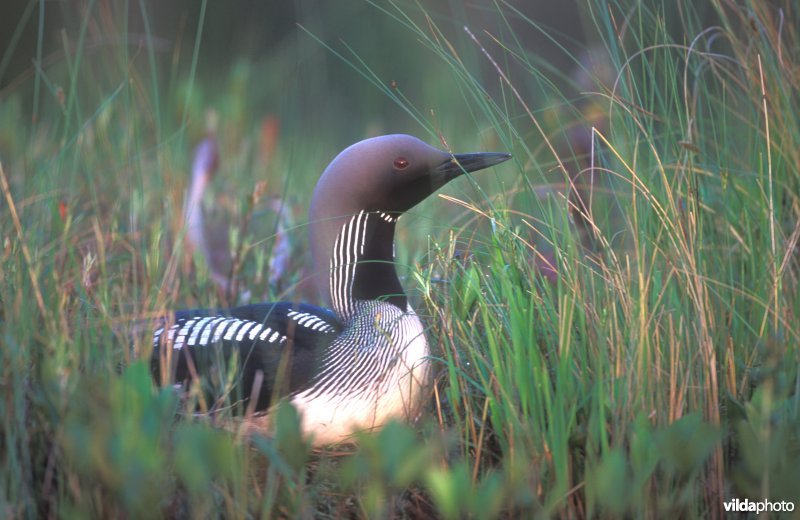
283,341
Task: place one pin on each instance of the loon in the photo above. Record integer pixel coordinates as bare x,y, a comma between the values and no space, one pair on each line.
361,362
211,239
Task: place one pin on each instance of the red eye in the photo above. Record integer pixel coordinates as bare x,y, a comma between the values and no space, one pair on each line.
401,163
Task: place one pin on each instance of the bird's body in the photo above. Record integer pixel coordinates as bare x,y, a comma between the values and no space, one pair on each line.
363,362
364,380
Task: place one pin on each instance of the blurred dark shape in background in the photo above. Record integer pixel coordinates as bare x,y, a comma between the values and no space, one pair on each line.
254,29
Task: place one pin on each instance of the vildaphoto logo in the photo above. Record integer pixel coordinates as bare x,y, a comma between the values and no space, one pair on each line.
762,506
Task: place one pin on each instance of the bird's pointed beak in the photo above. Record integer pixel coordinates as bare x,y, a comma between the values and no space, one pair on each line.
460,163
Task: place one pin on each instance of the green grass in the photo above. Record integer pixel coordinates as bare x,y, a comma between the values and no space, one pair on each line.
653,372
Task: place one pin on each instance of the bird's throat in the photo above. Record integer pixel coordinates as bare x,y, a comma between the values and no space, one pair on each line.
362,263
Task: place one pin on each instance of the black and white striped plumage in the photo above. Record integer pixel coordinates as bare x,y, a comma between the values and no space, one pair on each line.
261,335
363,362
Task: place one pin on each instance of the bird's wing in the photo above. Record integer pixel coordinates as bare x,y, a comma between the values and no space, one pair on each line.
284,342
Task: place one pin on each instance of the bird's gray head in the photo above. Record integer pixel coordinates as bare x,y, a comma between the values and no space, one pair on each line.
388,174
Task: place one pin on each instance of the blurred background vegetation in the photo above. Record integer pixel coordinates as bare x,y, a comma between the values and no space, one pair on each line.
271,56
615,317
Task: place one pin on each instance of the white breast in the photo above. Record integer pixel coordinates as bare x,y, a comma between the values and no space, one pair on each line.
332,415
